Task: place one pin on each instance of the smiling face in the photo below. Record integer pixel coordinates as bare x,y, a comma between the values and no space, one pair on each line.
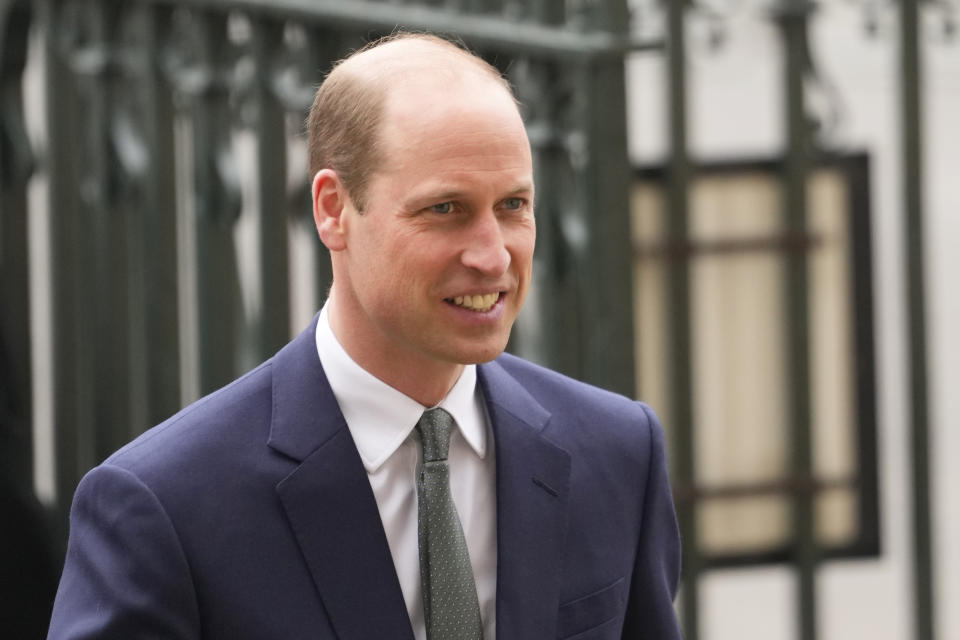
431,275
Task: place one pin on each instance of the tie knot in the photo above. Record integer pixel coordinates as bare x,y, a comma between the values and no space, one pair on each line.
435,427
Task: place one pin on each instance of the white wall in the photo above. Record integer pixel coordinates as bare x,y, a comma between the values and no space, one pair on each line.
736,111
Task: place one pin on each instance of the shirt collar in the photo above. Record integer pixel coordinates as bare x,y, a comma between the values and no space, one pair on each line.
380,417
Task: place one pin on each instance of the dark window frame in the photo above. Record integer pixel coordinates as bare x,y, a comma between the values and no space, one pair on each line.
855,168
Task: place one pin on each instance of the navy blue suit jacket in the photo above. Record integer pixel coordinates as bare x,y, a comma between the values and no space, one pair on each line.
249,515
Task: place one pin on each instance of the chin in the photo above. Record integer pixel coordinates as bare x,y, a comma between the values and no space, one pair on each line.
480,355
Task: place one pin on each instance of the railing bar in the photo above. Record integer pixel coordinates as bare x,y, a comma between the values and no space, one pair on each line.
15,170
549,12
556,286
684,493
103,215
679,314
780,242
606,279
219,309
159,232
71,350
479,30
793,17
274,312
912,153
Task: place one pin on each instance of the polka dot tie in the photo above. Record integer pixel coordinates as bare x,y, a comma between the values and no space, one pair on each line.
450,607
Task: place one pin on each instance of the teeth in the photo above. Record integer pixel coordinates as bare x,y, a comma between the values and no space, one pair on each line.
478,302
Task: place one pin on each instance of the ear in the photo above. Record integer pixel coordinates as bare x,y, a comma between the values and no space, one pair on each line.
330,201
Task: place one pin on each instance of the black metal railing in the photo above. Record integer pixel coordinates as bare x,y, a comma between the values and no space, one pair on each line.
172,132
173,128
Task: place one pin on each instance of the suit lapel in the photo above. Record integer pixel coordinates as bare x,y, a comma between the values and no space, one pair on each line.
334,515
532,486
329,502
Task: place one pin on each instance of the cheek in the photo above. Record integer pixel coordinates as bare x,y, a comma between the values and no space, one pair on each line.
404,267
520,243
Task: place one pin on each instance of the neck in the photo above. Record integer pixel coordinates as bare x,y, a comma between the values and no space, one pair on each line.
426,380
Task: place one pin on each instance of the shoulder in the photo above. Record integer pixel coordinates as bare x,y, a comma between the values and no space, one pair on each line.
557,392
581,415
207,434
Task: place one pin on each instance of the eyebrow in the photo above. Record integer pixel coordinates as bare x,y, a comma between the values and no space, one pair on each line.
418,201
526,187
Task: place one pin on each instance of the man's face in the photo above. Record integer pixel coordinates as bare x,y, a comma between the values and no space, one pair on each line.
438,264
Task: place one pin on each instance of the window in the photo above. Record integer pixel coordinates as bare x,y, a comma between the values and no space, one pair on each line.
736,256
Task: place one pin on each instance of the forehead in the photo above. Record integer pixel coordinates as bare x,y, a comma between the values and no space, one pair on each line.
452,117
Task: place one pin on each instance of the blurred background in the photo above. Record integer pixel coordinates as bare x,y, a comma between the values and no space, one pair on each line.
748,216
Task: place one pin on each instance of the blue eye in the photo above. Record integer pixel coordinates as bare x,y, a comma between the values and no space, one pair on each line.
514,203
443,207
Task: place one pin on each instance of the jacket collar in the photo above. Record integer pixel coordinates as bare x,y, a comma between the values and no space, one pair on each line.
329,503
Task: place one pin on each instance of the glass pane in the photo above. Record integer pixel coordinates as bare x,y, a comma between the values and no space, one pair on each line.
738,335
740,375
742,526
832,358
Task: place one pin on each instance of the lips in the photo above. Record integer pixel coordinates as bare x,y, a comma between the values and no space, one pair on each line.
476,302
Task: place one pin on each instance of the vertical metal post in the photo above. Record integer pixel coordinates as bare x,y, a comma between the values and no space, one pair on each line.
16,165
550,127
678,310
106,223
793,16
72,352
274,313
606,284
159,229
912,153
217,201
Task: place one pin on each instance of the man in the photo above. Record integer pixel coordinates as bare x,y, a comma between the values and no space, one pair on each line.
388,474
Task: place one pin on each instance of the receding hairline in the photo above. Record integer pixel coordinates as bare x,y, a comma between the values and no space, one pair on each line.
346,120
390,59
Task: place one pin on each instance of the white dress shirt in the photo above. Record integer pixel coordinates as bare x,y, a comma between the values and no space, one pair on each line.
381,421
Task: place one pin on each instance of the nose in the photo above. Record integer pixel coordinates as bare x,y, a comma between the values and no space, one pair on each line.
486,250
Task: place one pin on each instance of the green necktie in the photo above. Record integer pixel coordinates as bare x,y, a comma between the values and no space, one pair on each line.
450,607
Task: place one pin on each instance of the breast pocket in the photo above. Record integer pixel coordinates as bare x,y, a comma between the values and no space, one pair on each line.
596,612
